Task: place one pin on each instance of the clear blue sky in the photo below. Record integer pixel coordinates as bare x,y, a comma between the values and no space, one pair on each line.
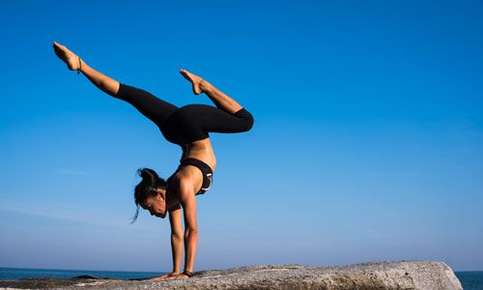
367,144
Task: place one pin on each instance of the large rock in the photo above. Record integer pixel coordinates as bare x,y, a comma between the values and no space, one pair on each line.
383,275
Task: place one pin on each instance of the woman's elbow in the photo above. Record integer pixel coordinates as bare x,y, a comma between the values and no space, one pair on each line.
192,229
247,119
177,235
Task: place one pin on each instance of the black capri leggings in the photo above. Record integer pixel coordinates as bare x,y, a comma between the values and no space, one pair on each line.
187,123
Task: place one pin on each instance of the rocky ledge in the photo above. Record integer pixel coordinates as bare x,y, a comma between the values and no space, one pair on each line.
425,275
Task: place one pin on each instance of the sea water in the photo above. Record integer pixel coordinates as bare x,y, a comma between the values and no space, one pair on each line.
471,280
18,273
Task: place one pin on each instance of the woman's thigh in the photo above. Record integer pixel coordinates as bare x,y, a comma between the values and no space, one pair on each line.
152,107
212,119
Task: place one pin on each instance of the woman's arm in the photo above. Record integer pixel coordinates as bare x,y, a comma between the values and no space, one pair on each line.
188,201
176,244
176,238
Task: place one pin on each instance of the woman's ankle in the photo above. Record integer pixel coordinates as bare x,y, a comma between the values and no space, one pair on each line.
80,64
205,86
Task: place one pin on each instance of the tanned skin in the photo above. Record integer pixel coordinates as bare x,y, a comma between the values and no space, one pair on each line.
179,202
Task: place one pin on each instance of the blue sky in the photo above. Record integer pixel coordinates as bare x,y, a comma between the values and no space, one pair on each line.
367,142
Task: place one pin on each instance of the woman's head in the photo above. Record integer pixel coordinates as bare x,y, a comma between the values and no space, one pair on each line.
150,193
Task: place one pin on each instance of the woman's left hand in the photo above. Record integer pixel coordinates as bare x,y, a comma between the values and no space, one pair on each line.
177,277
163,277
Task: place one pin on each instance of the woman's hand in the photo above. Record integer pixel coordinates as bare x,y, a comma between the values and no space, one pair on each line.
165,277
177,277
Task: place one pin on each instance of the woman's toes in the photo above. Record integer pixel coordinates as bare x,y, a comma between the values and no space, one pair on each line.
196,88
183,73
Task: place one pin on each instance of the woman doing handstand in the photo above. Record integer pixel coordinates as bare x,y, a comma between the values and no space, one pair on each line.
188,127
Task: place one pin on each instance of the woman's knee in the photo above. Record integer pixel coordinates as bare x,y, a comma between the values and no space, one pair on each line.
247,119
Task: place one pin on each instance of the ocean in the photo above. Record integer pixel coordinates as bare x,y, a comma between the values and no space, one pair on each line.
19,273
471,280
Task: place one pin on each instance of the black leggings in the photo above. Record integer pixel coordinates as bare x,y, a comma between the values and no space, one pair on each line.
188,123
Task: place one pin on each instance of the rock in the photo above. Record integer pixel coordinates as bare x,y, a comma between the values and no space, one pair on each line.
425,275
88,277
38,283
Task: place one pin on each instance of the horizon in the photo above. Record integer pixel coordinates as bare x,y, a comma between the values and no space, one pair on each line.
367,143
127,271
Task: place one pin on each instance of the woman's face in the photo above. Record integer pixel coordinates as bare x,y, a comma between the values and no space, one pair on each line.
156,205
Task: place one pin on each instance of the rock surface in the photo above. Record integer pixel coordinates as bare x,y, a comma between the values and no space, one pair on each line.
425,275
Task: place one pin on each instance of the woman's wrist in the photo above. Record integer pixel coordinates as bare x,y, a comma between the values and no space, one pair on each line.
205,86
188,273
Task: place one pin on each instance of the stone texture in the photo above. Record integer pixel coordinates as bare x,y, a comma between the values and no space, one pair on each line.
425,275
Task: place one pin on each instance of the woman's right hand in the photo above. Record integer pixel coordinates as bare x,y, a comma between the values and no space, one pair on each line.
164,277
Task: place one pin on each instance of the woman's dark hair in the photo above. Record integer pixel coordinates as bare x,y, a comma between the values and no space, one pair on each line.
146,187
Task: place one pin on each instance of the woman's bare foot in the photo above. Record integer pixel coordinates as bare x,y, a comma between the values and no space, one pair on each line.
195,80
71,59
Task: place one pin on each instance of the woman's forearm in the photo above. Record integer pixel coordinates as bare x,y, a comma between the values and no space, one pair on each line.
177,251
191,242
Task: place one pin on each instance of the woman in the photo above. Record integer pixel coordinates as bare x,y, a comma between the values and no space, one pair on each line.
188,127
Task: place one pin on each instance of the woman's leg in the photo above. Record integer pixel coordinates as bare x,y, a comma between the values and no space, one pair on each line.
147,104
100,80
228,117
212,119
74,62
220,99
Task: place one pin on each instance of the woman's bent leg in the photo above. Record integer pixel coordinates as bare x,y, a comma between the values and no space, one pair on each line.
220,99
229,116
219,121
210,119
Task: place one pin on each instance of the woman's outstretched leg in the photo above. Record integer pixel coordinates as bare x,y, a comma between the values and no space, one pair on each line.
74,62
155,109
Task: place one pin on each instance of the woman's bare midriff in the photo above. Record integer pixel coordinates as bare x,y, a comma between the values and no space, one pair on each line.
202,150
